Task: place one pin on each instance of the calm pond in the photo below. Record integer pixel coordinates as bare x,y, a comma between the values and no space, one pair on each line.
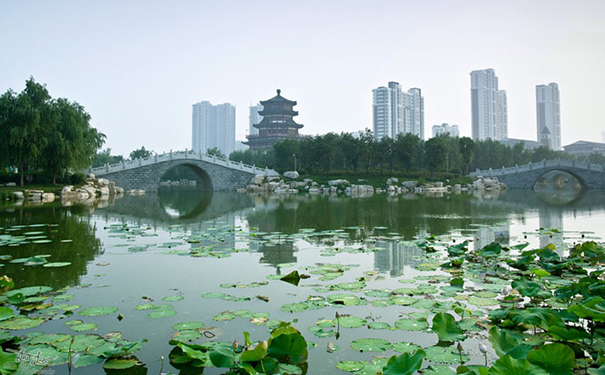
182,255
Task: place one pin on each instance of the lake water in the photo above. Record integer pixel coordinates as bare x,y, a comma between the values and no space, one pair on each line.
138,250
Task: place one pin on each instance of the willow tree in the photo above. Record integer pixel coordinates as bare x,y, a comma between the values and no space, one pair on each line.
71,143
23,118
39,133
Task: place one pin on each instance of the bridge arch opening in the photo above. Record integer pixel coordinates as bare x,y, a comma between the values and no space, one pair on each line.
560,185
186,174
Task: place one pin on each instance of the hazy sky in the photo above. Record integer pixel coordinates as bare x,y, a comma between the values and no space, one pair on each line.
138,66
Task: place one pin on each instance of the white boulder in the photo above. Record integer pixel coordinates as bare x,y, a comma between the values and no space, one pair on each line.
291,175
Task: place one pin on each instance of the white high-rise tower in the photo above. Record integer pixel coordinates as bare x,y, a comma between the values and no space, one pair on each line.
396,111
489,108
549,115
255,118
213,126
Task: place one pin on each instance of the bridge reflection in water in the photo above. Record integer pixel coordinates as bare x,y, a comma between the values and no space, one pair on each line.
487,216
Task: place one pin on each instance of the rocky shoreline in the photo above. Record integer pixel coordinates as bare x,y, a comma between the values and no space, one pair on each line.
280,185
93,191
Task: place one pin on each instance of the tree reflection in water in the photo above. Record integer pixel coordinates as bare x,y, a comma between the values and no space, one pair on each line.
72,223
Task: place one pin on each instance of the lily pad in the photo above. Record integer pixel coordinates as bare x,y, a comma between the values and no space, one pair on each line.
351,321
145,306
21,322
161,313
371,345
83,327
98,311
187,325
173,298
412,324
57,264
120,364
441,354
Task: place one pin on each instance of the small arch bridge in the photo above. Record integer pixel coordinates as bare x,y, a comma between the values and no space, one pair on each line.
589,176
216,173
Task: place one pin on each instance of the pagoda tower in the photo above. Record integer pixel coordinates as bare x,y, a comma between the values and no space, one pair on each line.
277,123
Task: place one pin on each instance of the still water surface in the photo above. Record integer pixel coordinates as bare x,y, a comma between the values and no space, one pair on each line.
260,236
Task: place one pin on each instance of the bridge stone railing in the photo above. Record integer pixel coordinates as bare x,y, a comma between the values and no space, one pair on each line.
535,166
181,155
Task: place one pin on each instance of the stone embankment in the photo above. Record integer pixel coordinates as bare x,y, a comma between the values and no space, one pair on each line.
278,185
93,190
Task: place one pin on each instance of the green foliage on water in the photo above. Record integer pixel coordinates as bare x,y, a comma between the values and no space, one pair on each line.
543,309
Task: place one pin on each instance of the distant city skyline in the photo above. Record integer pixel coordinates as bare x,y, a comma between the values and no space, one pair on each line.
339,54
445,128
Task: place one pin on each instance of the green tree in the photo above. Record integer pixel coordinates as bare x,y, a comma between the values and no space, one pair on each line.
596,158
105,157
520,154
140,153
435,153
367,147
407,150
386,152
351,151
542,153
467,152
70,140
23,118
284,154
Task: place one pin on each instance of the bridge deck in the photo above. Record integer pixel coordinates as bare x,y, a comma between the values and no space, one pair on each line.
591,176
180,155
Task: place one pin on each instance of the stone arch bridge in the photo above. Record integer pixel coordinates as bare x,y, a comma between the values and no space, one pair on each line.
216,173
590,176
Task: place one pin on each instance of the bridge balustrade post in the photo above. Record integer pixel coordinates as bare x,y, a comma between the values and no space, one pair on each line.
266,171
254,168
530,166
201,158
140,162
155,158
544,162
123,165
170,154
214,158
185,153
573,163
241,165
106,167
588,165
516,168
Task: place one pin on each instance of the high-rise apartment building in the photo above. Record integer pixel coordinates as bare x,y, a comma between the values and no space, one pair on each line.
213,126
445,128
549,115
396,111
489,108
255,118
415,125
